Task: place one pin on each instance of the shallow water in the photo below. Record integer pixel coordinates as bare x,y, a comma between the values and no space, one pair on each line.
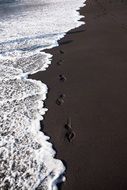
26,27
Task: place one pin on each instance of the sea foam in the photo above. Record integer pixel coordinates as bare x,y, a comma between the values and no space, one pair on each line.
27,159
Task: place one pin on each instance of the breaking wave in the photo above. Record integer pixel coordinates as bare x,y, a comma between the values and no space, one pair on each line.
27,158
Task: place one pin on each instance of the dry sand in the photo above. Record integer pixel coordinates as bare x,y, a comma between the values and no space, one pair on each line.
94,62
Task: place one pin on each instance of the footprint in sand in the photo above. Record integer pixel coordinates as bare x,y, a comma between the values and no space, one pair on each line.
70,134
61,52
62,78
68,125
60,100
59,62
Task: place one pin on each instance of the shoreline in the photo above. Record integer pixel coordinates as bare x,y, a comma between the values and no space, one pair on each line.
93,62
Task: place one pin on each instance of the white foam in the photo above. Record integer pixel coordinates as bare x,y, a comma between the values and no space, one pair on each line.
26,27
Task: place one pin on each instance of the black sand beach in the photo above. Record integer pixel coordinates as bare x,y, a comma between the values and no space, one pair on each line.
94,67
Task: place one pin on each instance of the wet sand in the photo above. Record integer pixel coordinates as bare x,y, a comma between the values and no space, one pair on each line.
93,61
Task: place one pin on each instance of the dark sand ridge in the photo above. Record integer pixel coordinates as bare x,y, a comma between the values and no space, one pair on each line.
94,63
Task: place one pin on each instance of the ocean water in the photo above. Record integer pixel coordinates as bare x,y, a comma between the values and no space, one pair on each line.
27,159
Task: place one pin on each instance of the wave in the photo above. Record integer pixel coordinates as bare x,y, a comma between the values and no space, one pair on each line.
27,158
